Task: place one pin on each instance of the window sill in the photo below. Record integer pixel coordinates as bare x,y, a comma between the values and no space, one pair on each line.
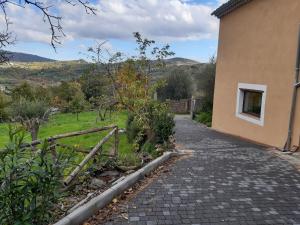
250,118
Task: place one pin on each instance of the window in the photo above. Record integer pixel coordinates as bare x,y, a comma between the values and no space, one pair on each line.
251,102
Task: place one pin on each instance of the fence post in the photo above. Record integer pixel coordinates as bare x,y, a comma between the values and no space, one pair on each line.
116,147
192,107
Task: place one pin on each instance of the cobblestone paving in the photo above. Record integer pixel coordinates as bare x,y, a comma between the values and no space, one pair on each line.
226,181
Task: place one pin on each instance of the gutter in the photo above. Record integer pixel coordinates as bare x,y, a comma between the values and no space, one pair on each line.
296,85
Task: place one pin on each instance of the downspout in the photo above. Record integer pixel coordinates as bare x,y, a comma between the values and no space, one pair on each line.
296,85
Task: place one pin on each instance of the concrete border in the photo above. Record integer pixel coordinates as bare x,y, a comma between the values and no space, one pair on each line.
85,211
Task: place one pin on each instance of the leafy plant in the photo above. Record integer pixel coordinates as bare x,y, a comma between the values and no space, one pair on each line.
31,114
205,118
77,105
30,182
4,103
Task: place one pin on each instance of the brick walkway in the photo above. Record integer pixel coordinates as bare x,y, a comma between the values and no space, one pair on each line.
226,181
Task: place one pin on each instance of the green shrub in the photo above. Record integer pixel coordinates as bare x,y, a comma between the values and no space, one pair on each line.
29,183
4,103
148,147
129,160
161,125
132,128
205,118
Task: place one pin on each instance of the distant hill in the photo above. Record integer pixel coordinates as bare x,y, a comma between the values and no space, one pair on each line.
180,61
38,70
24,57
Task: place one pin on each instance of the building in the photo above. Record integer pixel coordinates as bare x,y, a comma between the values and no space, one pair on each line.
255,78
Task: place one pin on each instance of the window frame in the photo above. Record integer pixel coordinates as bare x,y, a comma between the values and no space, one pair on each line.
242,88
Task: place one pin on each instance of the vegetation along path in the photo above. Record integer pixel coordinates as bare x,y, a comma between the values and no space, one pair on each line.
225,181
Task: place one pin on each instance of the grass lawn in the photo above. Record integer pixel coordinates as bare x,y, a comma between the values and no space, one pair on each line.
64,123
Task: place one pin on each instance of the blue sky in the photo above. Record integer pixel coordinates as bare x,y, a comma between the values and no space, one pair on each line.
185,24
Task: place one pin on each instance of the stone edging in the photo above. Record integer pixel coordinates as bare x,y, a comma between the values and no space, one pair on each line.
84,212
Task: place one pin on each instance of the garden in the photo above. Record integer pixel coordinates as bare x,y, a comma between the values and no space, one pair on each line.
62,145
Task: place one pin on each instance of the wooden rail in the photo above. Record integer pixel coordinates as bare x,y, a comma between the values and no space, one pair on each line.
90,152
93,152
67,135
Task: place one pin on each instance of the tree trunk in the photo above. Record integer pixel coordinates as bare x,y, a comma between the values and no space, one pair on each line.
34,131
77,116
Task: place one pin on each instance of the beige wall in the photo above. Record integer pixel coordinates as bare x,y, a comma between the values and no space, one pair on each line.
257,45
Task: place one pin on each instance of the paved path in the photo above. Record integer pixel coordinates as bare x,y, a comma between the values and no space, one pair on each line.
227,181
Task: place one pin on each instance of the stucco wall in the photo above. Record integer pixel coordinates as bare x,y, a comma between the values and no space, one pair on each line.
257,45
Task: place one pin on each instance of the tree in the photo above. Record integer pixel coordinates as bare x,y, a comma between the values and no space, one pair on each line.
77,105
208,84
31,114
178,86
48,10
64,94
94,84
135,89
30,106
103,104
4,103
23,91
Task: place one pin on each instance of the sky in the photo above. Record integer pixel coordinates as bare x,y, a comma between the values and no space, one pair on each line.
187,25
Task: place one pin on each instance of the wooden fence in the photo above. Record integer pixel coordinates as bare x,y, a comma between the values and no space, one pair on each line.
97,149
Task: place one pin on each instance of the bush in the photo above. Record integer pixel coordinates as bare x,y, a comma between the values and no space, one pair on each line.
29,183
161,124
205,118
4,103
132,128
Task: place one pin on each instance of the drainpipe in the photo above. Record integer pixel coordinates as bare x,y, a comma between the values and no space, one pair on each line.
294,99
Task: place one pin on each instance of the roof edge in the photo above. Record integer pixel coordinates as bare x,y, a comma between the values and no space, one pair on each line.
228,7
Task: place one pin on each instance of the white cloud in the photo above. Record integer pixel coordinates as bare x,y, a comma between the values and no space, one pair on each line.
222,1
165,20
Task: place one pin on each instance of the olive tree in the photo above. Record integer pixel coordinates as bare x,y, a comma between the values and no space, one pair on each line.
31,114
30,107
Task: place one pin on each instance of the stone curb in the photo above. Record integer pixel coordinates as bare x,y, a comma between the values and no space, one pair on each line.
84,212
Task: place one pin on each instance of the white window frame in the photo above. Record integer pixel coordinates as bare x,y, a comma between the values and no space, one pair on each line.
240,99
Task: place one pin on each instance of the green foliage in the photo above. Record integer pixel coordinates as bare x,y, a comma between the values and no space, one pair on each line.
31,114
205,118
103,104
24,109
48,73
68,97
30,182
94,84
30,107
178,86
23,91
149,147
148,121
30,93
162,124
4,103
77,105
129,159
208,85
132,128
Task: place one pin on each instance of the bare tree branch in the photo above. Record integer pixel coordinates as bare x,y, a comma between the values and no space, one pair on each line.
53,20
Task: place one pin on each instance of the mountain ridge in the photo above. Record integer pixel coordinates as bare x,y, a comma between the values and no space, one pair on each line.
26,57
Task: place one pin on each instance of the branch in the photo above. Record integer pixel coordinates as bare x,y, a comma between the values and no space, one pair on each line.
53,21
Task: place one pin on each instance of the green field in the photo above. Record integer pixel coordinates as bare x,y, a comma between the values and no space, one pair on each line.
64,123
